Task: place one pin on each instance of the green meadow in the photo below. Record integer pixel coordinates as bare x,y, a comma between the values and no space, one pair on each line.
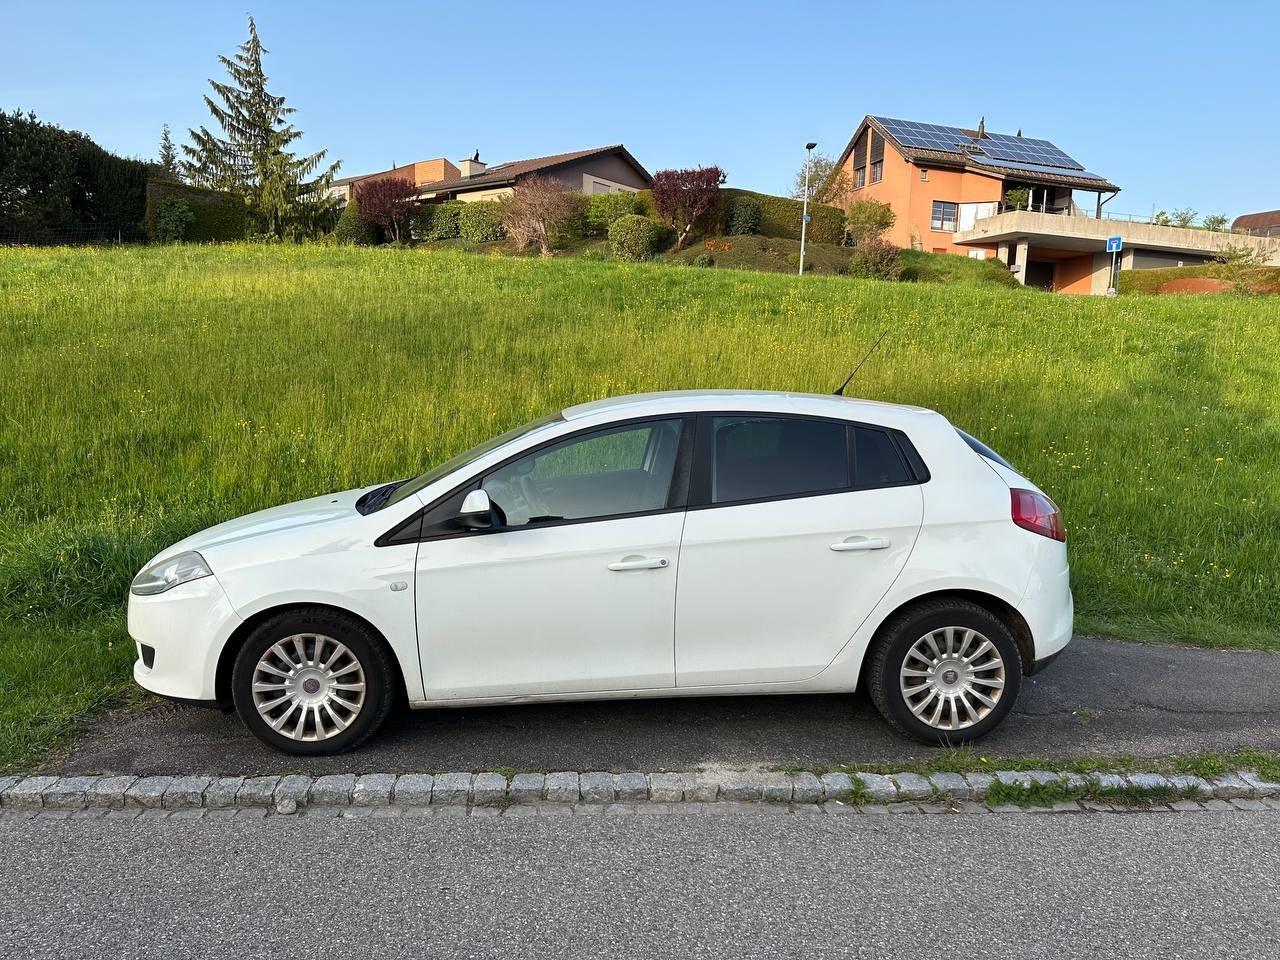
146,393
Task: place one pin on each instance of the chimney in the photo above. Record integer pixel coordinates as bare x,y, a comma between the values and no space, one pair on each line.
471,168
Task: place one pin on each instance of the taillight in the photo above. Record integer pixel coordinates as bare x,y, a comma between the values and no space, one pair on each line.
1037,513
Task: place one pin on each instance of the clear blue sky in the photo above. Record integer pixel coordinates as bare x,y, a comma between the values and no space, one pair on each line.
1178,102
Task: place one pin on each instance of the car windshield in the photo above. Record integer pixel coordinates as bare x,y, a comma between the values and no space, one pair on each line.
408,488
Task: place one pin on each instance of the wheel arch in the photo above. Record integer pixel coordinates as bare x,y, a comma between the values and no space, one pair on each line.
1002,610
235,642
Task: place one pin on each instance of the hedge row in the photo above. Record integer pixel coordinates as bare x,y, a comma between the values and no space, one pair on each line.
217,215
781,216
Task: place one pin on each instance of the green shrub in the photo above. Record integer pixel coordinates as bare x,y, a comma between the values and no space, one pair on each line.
351,228
703,259
742,215
445,220
604,208
218,216
781,216
420,221
876,260
173,218
575,225
633,237
480,222
867,221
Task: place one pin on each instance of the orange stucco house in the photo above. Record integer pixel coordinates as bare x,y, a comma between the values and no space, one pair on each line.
941,182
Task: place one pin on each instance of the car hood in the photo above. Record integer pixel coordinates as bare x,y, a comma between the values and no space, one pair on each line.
329,510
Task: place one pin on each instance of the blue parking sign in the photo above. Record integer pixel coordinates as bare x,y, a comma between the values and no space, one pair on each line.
1114,244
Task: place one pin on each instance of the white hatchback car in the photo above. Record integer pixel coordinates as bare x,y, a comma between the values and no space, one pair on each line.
676,544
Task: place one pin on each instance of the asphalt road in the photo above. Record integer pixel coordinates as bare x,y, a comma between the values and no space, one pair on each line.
1099,697
750,885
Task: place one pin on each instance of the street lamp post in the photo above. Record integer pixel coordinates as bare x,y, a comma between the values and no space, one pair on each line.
804,220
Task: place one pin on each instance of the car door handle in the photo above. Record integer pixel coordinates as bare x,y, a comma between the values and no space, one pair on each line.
860,543
639,563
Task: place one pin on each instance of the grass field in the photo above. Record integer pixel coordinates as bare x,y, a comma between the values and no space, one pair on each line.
149,392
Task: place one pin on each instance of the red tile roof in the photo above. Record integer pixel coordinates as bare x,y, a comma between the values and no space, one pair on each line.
1257,221
503,173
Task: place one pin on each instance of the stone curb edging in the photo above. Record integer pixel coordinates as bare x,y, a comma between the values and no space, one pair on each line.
289,793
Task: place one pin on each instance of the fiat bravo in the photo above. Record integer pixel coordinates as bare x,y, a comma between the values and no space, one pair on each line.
677,544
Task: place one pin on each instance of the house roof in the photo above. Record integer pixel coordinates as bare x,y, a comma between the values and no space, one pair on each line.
503,174
1007,156
1257,221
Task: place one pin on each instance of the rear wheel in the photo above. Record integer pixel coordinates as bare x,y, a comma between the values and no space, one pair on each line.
944,672
312,681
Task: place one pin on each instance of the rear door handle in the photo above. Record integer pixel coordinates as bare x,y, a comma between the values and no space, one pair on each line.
860,543
639,563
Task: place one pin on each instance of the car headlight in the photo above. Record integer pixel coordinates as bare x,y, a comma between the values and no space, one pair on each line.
167,574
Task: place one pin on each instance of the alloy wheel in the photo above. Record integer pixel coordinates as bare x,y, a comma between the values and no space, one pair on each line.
952,677
308,687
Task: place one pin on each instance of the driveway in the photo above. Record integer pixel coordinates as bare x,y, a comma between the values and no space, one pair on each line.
1099,697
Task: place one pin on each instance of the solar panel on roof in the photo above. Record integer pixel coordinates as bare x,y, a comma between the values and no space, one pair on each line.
1039,168
1000,146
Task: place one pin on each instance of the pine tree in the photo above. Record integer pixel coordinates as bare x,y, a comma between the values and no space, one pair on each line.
168,155
286,194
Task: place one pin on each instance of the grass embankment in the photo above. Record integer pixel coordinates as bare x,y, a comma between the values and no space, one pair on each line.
1246,279
150,392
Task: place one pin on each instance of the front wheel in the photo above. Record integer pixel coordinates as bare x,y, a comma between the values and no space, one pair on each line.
944,672
312,681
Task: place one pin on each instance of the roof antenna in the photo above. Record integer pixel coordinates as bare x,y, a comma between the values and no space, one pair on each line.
849,379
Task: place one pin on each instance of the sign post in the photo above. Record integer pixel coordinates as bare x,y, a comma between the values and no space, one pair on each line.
1114,246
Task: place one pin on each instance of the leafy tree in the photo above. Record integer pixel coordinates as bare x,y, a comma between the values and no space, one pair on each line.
286,194
537,210
1184,217
682,197
168,156
386,202
1019,198
1162,219
828,183
1217,222
867,220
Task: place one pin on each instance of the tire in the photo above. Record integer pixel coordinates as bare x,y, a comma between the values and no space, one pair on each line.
956,711
319,666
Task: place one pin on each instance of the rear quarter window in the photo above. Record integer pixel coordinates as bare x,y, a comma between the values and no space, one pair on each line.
982,450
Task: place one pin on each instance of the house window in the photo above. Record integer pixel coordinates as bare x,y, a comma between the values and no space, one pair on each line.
877,171
860,178
924,174
598,187
944,216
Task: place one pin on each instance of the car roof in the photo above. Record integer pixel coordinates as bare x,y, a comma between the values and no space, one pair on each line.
762,401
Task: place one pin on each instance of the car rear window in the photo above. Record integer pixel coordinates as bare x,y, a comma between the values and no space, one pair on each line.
982,450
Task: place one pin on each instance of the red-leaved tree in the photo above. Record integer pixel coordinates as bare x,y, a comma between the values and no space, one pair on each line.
387,202
682,196
537,208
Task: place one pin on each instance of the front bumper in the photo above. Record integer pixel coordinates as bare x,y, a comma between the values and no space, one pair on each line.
186,628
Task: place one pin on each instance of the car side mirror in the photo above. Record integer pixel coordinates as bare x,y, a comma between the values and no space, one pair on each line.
476,512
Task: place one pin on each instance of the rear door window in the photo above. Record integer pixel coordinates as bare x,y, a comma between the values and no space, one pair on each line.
761,458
